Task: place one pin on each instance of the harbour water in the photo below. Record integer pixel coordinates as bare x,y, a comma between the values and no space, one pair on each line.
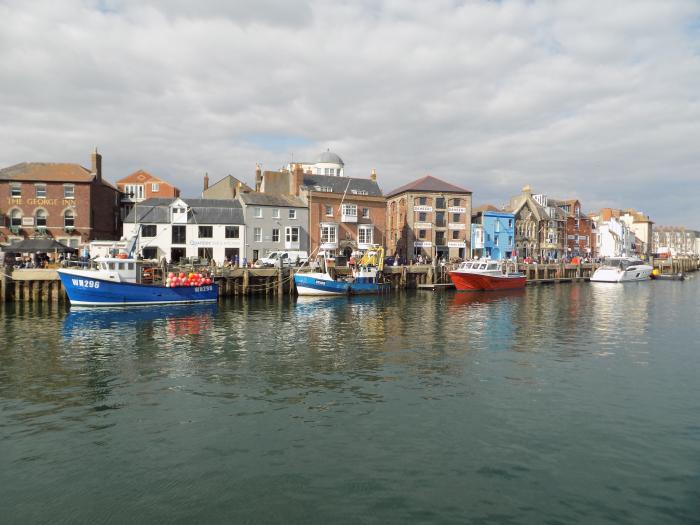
560,404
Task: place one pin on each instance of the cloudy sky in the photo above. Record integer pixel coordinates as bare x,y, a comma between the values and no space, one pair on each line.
590,99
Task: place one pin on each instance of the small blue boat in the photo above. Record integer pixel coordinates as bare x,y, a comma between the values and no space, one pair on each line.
321,284
119,282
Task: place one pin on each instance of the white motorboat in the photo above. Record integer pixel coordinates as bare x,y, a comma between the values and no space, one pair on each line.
621,270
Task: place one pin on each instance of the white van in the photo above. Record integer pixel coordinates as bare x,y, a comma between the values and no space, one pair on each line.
284,258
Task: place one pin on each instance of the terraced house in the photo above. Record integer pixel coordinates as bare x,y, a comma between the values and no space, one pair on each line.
65,201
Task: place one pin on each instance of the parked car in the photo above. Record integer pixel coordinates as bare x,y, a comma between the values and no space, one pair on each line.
283,258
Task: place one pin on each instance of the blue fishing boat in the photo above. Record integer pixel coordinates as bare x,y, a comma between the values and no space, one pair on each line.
367,275
125,282
319,283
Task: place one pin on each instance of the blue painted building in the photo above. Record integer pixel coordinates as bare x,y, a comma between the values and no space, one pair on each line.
493,233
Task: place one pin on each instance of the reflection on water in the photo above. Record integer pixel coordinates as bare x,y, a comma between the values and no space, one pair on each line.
578,402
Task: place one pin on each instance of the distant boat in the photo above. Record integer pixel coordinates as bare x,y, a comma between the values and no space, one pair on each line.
485,276
320,284
622,270
120,282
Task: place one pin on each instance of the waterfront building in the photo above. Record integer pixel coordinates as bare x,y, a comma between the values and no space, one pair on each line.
140,186
553,240
579,232
431,218
676,240
492,233
65,201
531,223
639,225
179,228
613,237
345,214
273,223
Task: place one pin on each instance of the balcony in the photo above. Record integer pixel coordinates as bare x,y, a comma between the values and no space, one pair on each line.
348,217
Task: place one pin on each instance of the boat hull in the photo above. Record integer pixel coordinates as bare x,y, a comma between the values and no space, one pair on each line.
319,285
85,290
369,288
614,275
478,282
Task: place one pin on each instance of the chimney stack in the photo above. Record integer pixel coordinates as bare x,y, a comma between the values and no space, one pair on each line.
373,175
97,165
297,178
206,181
258,177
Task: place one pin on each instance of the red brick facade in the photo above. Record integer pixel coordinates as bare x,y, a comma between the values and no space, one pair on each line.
65,201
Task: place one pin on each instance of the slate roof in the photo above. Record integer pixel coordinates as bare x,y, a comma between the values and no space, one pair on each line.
329,157
485,207
202,211
428,184
264,199
339,184
48,172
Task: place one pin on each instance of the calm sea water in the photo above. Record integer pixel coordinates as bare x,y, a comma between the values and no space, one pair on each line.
559,404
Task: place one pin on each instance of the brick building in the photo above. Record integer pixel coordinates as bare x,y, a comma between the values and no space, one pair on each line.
140,186
580,233
65,201
429,217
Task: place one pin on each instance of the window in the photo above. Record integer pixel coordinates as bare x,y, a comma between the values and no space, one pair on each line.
439,238
148,230
495,240
69,219
206,232
440,203
456,202
134,191
365,213
497,226
422,201
350,210
68,191
510,223
258,213
440,218
329,234
422,216
41,218
510,240
155,187
456,217
179,237
231,232
40,190
205,253
15,190
329,211
275,235
291,234
455,234
292,214
16,219
421,234
257,234
364,234
148,252
275,213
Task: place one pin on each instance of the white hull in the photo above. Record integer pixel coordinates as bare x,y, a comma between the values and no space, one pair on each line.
615,275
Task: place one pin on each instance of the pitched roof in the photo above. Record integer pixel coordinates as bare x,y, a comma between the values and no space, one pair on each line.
340,184
49,172
230,181
428,183
517,203
484,207
202,211
264,199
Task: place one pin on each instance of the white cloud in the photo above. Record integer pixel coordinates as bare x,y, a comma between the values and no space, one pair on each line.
596,100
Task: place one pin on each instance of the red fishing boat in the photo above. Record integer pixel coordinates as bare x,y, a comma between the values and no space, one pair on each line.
485,275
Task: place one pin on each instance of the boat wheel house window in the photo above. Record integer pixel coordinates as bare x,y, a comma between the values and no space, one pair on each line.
69,219
68,191
206,232
148,230
231,232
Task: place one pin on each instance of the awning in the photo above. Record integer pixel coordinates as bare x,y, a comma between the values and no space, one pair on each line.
37,246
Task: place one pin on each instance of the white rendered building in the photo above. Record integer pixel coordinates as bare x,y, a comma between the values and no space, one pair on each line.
327,163
176,229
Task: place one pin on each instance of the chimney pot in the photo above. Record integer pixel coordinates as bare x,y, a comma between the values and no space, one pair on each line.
206,181
373,175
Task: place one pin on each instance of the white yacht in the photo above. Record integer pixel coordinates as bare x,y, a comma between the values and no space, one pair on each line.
622,269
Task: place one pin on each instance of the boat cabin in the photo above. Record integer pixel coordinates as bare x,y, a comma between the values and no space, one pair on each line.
126,270
622,262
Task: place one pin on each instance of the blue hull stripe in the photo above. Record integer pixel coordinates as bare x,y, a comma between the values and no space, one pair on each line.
368,288
84,291
337,287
